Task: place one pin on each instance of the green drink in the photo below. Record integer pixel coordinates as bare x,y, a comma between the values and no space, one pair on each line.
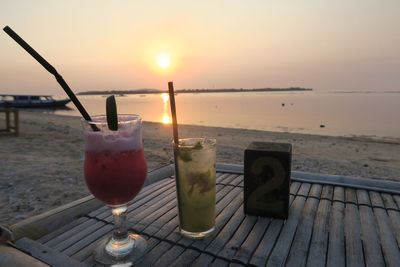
195,183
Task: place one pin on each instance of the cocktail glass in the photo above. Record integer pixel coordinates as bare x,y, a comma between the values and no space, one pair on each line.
115,170
195,186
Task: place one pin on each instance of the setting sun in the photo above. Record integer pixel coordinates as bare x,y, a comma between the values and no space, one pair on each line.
163,61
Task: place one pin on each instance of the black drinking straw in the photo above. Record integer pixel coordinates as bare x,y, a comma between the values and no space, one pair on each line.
176,139
173,111
50,69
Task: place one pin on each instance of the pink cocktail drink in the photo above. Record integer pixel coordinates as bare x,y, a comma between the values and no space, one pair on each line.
115,177
115,171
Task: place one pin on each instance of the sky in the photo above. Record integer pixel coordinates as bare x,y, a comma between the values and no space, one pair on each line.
332,45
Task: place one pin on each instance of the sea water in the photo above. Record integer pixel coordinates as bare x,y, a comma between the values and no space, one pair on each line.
372,114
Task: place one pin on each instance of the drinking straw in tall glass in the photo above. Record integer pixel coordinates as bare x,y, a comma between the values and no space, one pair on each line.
115,170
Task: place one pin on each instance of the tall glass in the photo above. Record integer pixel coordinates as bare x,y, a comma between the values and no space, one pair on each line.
115,170
195,186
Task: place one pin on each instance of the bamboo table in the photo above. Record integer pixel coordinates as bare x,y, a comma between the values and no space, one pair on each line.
333,221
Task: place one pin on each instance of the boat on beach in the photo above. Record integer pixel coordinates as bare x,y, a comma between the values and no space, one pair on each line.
31,101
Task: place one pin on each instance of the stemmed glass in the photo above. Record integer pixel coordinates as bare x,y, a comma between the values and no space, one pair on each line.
115,170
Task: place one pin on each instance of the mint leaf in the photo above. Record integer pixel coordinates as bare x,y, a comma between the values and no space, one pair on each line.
111,111
184,155
198,145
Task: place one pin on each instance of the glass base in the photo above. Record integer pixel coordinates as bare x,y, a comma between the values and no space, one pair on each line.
197,235
109,254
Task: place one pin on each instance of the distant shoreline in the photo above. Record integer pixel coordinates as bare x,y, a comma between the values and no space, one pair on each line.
229,90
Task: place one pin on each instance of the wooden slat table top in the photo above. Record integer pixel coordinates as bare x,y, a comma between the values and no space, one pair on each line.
328,225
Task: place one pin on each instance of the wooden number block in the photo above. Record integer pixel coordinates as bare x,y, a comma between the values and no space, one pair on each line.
267,179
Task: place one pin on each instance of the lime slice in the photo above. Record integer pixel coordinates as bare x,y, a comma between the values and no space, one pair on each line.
111,111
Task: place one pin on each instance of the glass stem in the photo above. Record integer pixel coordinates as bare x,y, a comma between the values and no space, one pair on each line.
120,233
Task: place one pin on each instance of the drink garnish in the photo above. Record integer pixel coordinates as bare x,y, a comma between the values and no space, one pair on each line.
201,180
111,111
198,145
185,152
184,155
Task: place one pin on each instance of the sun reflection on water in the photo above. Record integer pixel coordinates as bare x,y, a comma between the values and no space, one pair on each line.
165,98
166,118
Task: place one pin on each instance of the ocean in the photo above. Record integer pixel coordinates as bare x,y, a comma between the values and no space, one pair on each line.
367,114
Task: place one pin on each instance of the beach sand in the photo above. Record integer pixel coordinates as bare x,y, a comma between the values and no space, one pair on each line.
43,167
